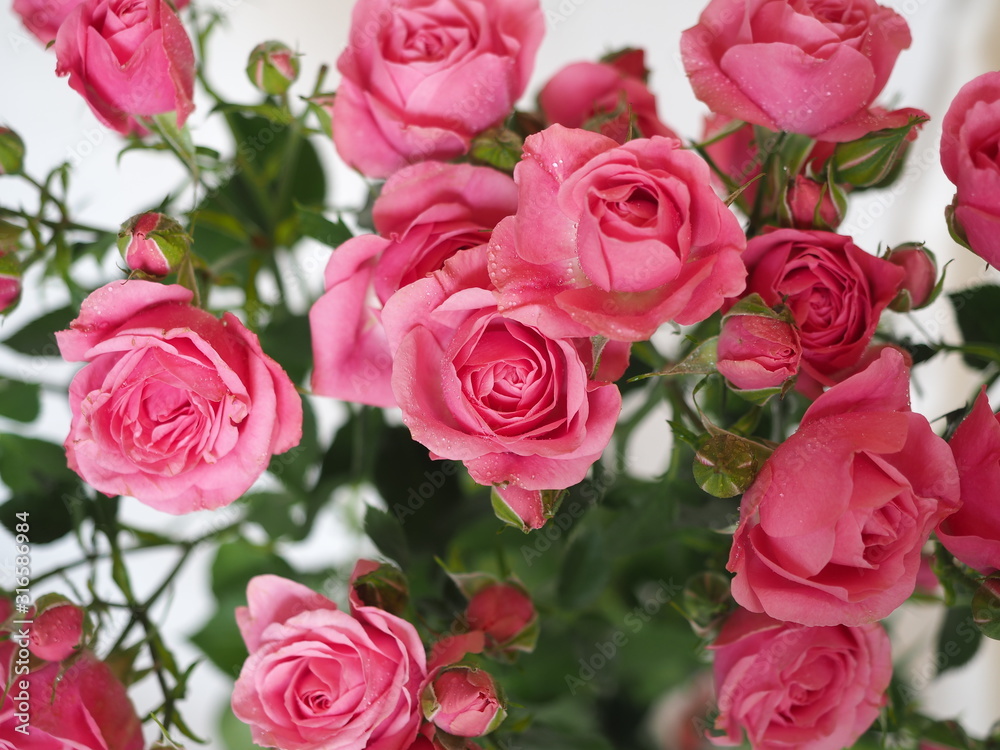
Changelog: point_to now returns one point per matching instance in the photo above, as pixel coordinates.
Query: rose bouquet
(462, 384)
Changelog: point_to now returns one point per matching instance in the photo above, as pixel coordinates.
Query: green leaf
(958, 640)
(585, 570)
(235, 734)
(41, 485)
(286, 339)
(387, 534)
(239, 561)
(37, 338)
(975, 310)
(19, 401)
(313, 223)
(220, 640)
(726, 464)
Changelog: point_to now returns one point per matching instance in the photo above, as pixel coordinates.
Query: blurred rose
(128, 59)
(420, 78)
(788, 686)
(176, 408)
(804, 67)
(504, 612)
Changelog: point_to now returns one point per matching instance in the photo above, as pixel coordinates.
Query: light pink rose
(128, 59)
(788, 686)
(757, 352)
(969, 156)
(804, 66)
(614, 240)
(973, 533)
(832, 528)
(463, 701)
(584, 90)
(78, 704)
(421, 77)
(515, 406)
(425, 214)
(834, 290)
(176, 408)
(318, 678)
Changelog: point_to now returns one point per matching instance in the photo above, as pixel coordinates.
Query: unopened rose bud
(381, 585)
(876, 158)
(813, 205)
(57, 629)
(758, 349)
(10, 281)
(920, 279)
(11, 152)
(152, 243)
(463, 701)
(986, 607)
(525, 509)
(505, 612)
(273, 67)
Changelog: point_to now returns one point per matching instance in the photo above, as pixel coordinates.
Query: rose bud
(876, 158)
(505, 612)
(986, 607)
(57, 629)
(463, 701)
(11, 152)
(758, 349)
(10, 281)
(810, 204)
(919, 286)
(152, 243)
(381, 585)
(273, 67)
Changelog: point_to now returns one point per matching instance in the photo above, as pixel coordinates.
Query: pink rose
(831, 529)
(57, 631)
(463, 701)
(43, 17)
(79, 705)
(920, 276)
(834, 290)
(973, 533)
(504, 612)
(425, 214)
(516, 407)
(810, 205)
(176, 408)
(969, 156)
(585, 90)
(318, 678)
(787, 686)
(736, 155)
(128, 59)
(757, 352)
(804, 66)
(614, 240)
(421, 77)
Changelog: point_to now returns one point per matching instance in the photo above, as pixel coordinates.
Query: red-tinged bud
(813, 205)
(153, 243)
(57, 630)
(10, 281)
(920, 284)
(759, 350)
(463, 701)
(381, 585)
(986, 607)
(273, 67)
(506, 614)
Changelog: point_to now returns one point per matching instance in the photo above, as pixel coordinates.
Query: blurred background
(953, 41)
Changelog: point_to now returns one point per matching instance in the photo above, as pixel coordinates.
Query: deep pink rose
(128, 59)
(421, 77)
(788, 686)
(804, 66)
(614, 240)
(810, 205)
(969, 139)
(56, 631)
(834, 290)
(425, 214)
(176, 408)
(831, 529)
(584, 90)
(463, 701)
(79, 705)
(318, 678)
(757, 352)
(516, 407)
(920, 275)
(973, 533)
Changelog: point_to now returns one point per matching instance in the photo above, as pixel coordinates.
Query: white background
(954, 40)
